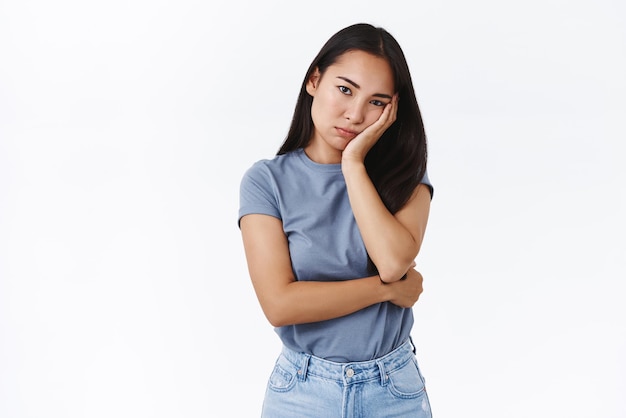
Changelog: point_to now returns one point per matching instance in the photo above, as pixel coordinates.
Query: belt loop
(414, 349)
(303, 369)
(383, 373)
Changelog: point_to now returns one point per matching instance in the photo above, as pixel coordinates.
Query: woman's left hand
(357, 148)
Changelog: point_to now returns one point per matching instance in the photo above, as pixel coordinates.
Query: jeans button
(349, 372)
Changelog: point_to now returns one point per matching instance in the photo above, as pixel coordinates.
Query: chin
(341, 144)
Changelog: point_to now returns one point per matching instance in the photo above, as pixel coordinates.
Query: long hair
(397, 162)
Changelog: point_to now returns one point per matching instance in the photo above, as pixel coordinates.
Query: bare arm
(286, 301)
(392, 240)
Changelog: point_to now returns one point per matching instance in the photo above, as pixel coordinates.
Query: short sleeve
(425, 180)
(256, 193)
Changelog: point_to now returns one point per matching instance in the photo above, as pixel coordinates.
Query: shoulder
(263, 188)
(275, 167)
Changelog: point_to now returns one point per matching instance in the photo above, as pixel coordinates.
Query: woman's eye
(377, 103)
(345, 90)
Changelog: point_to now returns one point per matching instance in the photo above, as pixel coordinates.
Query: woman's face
(347, 98)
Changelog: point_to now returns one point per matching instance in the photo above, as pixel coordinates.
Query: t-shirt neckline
(328, 168)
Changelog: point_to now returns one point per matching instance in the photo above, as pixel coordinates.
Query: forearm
(309, 301)
(389, 244)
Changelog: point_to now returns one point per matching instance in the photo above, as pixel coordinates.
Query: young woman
(331, 227)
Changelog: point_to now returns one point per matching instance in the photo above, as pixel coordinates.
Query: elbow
(276, 316)
(277, 306)
(276, 320)
(389, 275)
(393, 265)
(392, 272)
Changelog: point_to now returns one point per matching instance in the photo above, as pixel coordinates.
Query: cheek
(317, 113)
(334, 103)
(327, 105)
(372, 116)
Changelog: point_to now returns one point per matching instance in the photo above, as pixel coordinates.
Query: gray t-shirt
(325, 245)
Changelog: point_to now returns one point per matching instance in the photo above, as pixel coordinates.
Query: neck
(322, 155)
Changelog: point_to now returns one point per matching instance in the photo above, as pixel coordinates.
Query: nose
(355, 113)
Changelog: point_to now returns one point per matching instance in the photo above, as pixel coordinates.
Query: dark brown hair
(397, 162)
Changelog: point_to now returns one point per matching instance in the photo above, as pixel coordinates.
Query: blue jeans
(303, 386)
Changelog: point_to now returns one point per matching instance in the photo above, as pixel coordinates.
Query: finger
(394, 110)
(390, 112)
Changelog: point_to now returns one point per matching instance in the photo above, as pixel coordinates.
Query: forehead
(367, 70)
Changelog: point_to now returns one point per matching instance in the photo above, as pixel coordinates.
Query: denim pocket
(282, 380)
(406, 382)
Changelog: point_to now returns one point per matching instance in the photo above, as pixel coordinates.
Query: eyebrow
(347, 80)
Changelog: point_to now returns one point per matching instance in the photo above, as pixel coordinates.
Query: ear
(313, 82)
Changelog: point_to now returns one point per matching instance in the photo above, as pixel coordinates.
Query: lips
(346, 133)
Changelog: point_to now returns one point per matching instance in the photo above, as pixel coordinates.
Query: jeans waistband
(352, 372)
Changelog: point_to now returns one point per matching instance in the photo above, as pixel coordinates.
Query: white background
(125, 127)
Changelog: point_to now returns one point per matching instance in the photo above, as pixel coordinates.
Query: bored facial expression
(347, 98)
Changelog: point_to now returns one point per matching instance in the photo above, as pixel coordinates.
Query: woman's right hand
(407, 292)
